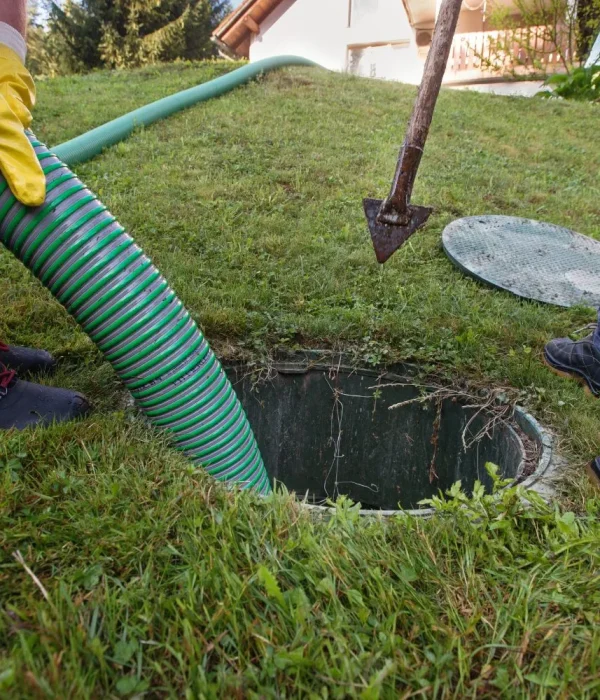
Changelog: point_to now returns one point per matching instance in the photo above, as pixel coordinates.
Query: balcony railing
(495, 53)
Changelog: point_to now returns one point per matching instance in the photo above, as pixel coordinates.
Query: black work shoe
(575, 359)
(594, 471)
(25, 360)
(23, 404)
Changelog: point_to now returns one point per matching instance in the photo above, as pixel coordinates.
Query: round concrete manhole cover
(531, 259)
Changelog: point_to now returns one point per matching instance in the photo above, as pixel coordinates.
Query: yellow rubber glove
(18, 161)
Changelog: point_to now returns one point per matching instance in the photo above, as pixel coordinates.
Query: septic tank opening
(326, 432)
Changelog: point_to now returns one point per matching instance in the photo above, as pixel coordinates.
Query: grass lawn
(160, 583)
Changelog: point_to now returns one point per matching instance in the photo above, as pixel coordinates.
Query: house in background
(386, 39)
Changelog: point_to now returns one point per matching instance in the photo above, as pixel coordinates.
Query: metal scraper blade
(388, 238)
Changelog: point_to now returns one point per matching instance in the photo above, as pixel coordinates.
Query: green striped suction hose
(92, 143)
(78, 250)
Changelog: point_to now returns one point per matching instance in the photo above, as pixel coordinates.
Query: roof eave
(232, 18)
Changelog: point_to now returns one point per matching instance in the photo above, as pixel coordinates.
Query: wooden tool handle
(433, 73)
(395, 209)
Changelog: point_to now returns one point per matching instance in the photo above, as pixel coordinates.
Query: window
(363, 8)
(357, 9)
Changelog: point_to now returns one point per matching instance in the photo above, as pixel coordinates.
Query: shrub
(580, 84)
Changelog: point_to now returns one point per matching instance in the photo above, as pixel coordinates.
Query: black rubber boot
(26, 360)
(23, 404)
(576, 359)
(594, 472)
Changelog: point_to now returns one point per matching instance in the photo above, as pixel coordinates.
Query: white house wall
(377, 42)
(374, 21)
(318, 29)
(315, 29)
(382, 42)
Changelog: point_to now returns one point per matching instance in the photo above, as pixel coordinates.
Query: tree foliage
(588, 25)
(81, 35)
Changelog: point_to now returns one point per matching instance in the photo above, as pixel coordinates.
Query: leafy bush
(581, 84)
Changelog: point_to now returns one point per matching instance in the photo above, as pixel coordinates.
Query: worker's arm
(18, 162)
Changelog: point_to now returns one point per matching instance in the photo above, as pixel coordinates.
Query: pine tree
(36, 49)
(119, 33)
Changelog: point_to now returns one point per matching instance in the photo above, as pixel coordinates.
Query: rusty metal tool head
(393, 220)
(387, 238)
